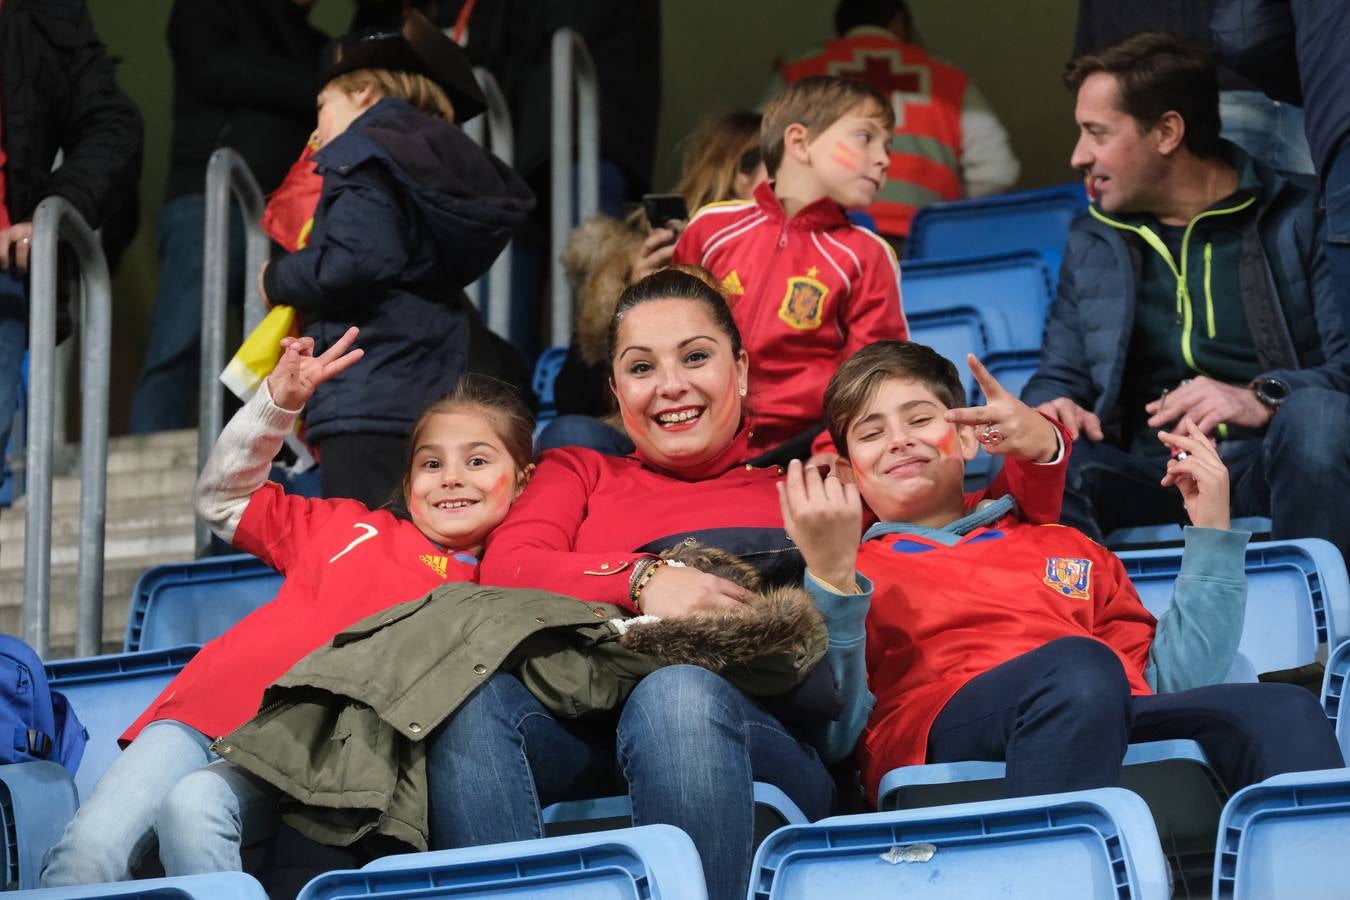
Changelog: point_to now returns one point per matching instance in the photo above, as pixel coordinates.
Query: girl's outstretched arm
(243, 453)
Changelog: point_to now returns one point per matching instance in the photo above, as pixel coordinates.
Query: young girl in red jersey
(470, 458)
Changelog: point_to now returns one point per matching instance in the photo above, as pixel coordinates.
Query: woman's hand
(823, 517)
(299, 371)
(1200, 476)
(674, 591)
(656, 251)
(1005, 425)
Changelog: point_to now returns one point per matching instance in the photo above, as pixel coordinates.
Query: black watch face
(1272, 391)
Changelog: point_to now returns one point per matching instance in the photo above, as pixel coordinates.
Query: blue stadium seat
(953, 333)
(1010, 290)
(1028, 220)
(1012, 368)
(1334, 697)
(1162, 535)
(1081, 845)
(220, 886)
(767, 796)
(1174, 778)
(654, 861)
(37, 799)
(193, 602)
(1298, 597)
(1286, 837)
(108, 693)
(545, 373)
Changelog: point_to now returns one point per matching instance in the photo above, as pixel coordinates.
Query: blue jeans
(13, 343)
(688, 745)
(1267, 129)
(1336, 196)
(583, 431)
(1295, 474)
(166, 393)
(165, 785)
(1061, 716)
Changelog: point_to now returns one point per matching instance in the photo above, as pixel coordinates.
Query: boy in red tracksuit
(992, 638)
(807, 287)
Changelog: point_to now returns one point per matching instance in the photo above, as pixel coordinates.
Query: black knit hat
(418, 47)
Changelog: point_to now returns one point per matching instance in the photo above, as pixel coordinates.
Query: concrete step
(149, 520)
(171, 514)
(133, 453)
(119, 543)
(118, 581)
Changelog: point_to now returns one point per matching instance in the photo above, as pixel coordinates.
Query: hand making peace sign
(1005, 425)
(299, 371)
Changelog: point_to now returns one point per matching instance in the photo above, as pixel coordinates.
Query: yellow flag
(258, 355)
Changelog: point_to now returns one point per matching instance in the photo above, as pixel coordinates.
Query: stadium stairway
(149, 521)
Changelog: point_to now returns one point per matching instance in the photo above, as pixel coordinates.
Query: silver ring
(1182, 455)
(23, 240)
(990, 436)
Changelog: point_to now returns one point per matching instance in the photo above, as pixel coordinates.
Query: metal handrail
(227, 176)
(493, 131)
(572, 67)
(55, 220)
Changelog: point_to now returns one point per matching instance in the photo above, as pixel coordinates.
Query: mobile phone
(664, 208)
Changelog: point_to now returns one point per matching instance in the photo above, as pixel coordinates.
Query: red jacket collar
(823, 213)
(737, 452)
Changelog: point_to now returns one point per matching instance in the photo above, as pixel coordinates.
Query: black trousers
(365, 467)
(1062, 714)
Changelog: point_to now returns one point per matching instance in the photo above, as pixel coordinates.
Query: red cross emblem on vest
(887, 72)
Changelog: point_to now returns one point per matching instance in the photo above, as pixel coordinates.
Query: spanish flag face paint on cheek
(950, 445)
(845, 156)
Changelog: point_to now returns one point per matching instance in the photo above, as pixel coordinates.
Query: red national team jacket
(806, 293)
(342, 562)
(941, 615)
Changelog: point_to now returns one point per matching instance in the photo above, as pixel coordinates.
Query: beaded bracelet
(642, 573)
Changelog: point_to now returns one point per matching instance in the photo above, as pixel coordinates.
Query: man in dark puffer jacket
(1195, 287)
(58, 93)
(1296, 50)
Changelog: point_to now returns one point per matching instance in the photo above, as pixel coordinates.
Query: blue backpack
(35, 721)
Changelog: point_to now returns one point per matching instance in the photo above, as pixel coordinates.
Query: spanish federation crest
(1069, 577)
(803, 305)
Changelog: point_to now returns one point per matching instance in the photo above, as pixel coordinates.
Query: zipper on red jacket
(759, 291)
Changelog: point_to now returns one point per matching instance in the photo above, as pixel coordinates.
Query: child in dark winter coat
(411, 211)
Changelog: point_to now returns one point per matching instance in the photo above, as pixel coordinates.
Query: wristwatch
(1271, 392)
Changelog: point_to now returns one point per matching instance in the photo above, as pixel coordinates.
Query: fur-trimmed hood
(598, 261)
(778, 629)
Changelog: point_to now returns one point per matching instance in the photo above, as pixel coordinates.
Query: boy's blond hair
(417, 89)
(817, 103)
(856, 382)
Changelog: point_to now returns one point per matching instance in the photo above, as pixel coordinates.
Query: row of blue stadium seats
(1278, 838)
(1299, 600)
